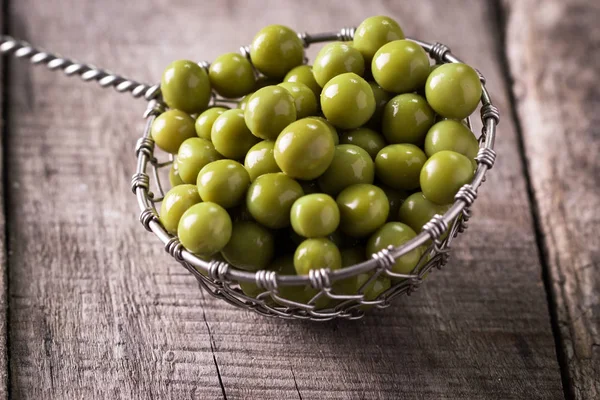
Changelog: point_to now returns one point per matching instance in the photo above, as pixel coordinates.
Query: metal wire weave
(221, 279)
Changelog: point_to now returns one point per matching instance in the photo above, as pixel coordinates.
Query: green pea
(417, 210)
(335, 59)
(205, 228)
(406, 119)
(400, 66)
(251, 246)
(443, 175)
(174, 178)
(231, 136)
(304, 149)
(260, 160)
(177, 201)
(347, 101)
(269, 110)
(243, 103)
(304, 74)
(352, 256)
(315, 215)
(304, 98)
(185, 86)
(381, 99)
(270, 199)
(332, 130)
(193, 155)
(275, 50)
(453, 90)
(316, 254)
(223, 182)
(231, 75)
(396, 199)
(205, 121)
(363, 209)
(399, 166)
(373, 33)
(172, 128)
(395, 234)
(451, 135)
(350, 165)
(365, 138)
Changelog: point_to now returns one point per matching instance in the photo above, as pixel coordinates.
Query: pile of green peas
(318, 166)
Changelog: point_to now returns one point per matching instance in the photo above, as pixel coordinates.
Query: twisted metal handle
(87, 72)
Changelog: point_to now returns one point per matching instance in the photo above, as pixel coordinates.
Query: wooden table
(92, 306)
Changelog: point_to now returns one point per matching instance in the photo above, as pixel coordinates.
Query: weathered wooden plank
(3, 258)
(98, 309)
(553, 48)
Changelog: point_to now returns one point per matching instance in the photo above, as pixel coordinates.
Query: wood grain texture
(97, 308)
(554, 53)
(3, 259)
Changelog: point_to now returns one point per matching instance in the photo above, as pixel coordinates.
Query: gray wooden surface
(554, 56)
(96, 308)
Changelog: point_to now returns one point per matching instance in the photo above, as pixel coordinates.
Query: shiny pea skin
(270, 199)
(204, 229)
(443, 175)
(304, 74)
(315, 215)
(304, 149)
(351, 165)
(230, 135)
(363, 209)
(395, 234)
(172, 128)
(381, 99)
(335, 59)
(399, 166)
(417, 210)
(174, 178)
(269, 110)
(260, 160)
(231, 75)
(316, 254)
(205, 121)
(400, 66)
(193, 155)
(275, 50)
(373, 33)
(251, 246)
(347, 101)
(396, 199)
(332, 130)
(304, 98)
(365, 138)
(243, 103)
(223, 182)
(406, 119)
(185, 86)
(451, 135)
(453, 90)
(176, 202)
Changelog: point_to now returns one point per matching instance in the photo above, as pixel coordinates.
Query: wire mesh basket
(222, 280)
